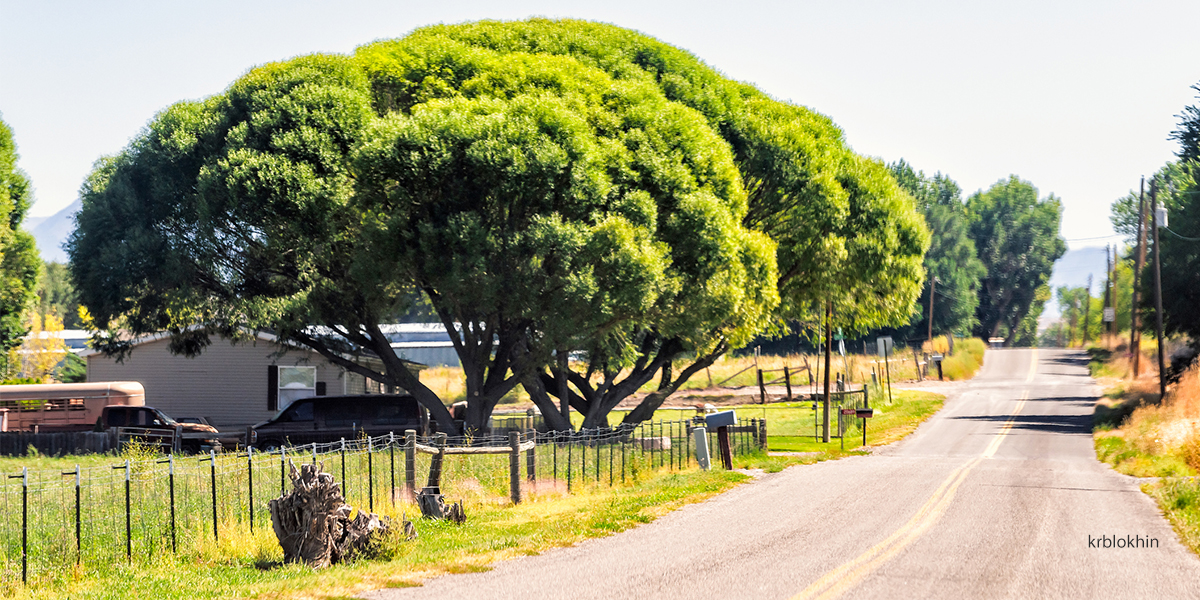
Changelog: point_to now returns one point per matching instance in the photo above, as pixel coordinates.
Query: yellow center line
(839, 580)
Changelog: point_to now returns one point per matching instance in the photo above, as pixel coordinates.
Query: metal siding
(227, 383)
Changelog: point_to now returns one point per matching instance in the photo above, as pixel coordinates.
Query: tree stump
(316, 526)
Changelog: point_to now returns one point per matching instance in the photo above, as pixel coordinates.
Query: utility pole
(1087, 311)
(1162, 368)
(1135, 329)
(1107, 296)
(828, 366)
(932, 283)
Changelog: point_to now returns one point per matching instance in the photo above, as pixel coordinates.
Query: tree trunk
(314, 524)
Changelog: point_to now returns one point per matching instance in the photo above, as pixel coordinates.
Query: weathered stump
(316, 526)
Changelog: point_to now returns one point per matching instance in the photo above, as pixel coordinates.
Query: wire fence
(136, 509)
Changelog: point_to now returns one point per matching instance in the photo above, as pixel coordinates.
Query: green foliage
(21, 381)
(19, 263)
(1180, 253)
(951, 257)
(1188, 131)
(545, 186)
(72, 370)
(1017, 237)
(56, 295)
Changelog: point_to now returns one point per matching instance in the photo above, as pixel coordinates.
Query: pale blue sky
(1077, 97)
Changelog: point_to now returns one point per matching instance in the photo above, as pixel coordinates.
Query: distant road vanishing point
(999, 495)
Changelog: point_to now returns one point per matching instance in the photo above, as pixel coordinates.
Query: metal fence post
(514, 466)
(370, 477)
(282, 471)
(392, 460)
(410, 463)
(78, 526)
(568, 465)
(531, 458)
(171, 486)
(128, 518)
(24, 476)
(250, 482)
(212, 457)
(345, 491)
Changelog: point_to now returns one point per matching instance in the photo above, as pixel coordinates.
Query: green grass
(1126, 458)
(1179, 500)
(790, 426)
(248, 566)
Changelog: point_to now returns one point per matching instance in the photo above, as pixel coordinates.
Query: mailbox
(725, 418)
(848, 411)
(865, 413)
(936, 358)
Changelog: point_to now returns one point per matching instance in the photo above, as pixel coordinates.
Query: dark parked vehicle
(331, 418)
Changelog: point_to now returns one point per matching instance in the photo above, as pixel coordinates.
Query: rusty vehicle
(67, 407)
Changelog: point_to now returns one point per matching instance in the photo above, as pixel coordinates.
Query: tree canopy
(951, 257)
(19, 262)
(548, 187)
(1017, 237)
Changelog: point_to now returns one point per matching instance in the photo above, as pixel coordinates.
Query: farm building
(231, 384)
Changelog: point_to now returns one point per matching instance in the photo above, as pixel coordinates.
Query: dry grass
(1143, 435)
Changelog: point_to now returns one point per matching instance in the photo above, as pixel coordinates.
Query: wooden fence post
(762, 389)
(514, 466)
(787, 378)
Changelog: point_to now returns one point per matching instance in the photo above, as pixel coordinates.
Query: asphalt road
(997, 496)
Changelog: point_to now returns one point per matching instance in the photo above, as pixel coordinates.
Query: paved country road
(997, 496)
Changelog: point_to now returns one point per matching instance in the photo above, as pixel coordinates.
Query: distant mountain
(1072, 270)
(52, 232)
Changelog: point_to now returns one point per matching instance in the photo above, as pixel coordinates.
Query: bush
(966, 360)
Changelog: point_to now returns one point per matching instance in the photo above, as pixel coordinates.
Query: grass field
(733, 372)
(248, 566)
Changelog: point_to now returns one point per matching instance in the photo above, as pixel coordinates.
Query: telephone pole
(1135, 329)
(1087, 311)
(932, 283)
(1162, 368)
(1108, 297)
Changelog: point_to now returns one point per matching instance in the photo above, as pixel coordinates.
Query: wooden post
(762, 389)
(410, 463)
(435, 465)
(1135, 334)
(787, 378)
(762, 434)
(1158, 306)
(828, 359)
(723, 444)
(514, 466)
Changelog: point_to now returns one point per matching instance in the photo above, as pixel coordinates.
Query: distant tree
(951, 257)
(19, 262)
(1017, 237)
(56, 295)
(1188, 131)
(43, 348)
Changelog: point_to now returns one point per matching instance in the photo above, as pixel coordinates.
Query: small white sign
(1110, 315)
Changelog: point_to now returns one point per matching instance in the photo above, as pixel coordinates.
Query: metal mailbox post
(722, 421)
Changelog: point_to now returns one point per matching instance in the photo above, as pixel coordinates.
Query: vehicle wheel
(269, 445)
(190, 447)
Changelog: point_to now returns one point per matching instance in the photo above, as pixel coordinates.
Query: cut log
(314, 524)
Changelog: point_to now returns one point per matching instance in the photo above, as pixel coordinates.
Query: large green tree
(19, 262)
(951, 257)
(549, 187)
(845, 232)
(1017, 237)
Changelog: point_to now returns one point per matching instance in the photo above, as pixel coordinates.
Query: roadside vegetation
(1143, 435)
(245, 565)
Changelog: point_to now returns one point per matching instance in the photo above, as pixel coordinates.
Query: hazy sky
(1077, 97)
